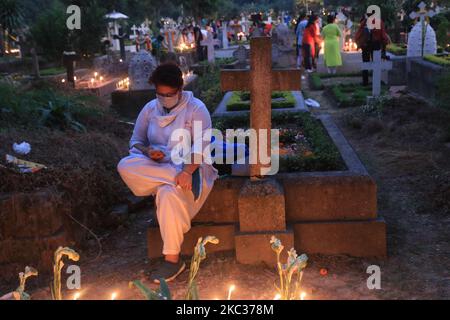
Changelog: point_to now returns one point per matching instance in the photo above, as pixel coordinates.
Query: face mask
(168, 102)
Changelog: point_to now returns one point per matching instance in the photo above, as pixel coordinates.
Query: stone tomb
(129, 102)
(330, 212)
(316, 212)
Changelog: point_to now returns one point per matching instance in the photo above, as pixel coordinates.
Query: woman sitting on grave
(181, 189)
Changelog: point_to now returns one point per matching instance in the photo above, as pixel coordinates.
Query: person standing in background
(310, 38)
(331, 35)
(299, 29)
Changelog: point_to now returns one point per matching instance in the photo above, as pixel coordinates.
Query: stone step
(354, 238)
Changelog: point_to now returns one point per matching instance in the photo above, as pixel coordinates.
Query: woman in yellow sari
(331, 35)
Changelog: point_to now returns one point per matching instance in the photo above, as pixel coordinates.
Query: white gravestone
(377, 66)
(422, 38)
(224, 35)
(141, 67)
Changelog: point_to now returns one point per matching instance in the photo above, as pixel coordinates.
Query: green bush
(316, 82)
(240, 101)
(351, 95)
(325, 155)
(443, 91)
(44, 106)
(339, 75)
(443, 60)
(52, 71)
(209, 87)
(219, 61)
(397, 49)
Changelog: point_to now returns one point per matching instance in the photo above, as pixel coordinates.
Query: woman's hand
(184, 180)
(155, 155)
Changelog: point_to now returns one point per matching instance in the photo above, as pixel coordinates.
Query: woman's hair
(167, 74)
(312, 19)
(331, 18)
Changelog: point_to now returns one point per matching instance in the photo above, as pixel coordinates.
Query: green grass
(43, 105)
(315, 79)
(325, 155)
(339, 75)
(443, 60)
(351, 95)
(397, 49)
(52, 71)
(240, 101)
(219, 61)
(316, 82)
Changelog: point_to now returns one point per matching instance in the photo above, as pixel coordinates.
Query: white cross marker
(210, 42)
(224, 35)
(377, 66)
(134, 29)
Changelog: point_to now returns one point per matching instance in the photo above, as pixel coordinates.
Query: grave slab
(354, 238)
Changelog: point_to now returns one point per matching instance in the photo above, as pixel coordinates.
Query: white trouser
(175, 207)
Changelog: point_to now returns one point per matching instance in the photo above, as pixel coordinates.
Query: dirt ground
(412, 174)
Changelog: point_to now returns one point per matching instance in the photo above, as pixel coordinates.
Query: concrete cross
(377, 66)
(224, 35)
(210, 42)
(261, 80)
(422, 13)
(134, 29)
(168, 36)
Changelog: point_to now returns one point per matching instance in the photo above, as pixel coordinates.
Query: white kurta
(175, 207)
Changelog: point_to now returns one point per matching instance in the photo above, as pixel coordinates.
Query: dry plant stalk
(57, 267)
(197, 258)
(295, 265)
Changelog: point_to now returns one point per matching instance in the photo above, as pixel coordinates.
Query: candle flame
(277, 297)
(230, 291)
(113, 296)
(76, 296)
(302, 295)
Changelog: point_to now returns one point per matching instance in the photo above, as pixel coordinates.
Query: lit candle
(232, 287)
(101, 78)
(277, 297)
(76, 296)
(63, 80)
(92, 82)
(95, 75)
(302, 295)
(113, 296)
